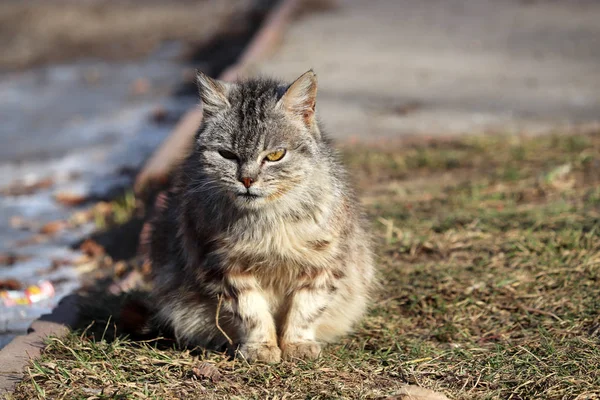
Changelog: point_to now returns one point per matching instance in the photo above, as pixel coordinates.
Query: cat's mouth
(248, 195)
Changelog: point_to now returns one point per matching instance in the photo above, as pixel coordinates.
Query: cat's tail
(135, 320)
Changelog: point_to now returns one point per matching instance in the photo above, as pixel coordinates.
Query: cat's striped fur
(285, 262)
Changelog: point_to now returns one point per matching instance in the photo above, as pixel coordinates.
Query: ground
(489, 260)
(38, 32)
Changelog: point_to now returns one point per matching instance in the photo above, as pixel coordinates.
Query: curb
(15, 356)
(172, 151)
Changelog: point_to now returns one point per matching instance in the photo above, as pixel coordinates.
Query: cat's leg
(305, 306)
(251, 309)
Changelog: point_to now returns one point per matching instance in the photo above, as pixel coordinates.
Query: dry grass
(489, 254)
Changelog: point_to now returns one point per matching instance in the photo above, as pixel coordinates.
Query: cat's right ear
(213, 94)
(300, 98)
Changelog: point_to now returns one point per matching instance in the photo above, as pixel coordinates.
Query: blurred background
(413, 67)
(89, 89)
(471, 129)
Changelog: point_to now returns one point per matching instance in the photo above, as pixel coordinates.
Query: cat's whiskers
(203, 186)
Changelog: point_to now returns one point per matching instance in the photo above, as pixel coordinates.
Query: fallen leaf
(412, 392)
(52, 227)
(120, 268)
(130, 281)
(33, 239)
(81, 217)
(70, 199)
(10, 284)
(140, 86)
(146, 267)
(91, 248)
(207, 371)
(23, 189)
(8, 259)
(103, 208)
(19, 223)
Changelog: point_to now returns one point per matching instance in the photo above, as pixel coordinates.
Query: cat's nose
(247, 181)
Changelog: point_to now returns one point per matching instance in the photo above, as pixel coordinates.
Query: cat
(261, 243)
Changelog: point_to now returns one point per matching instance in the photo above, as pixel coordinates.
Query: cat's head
(259, 141)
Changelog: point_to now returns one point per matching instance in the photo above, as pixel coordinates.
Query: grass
(489, 256)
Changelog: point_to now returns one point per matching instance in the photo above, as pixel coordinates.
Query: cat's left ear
(300, 98)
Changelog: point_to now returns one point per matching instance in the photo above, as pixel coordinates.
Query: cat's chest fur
(275, 244)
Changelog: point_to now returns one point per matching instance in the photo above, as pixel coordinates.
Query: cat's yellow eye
(276, 155)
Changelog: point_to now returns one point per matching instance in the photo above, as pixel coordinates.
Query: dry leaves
(8, 259)
(412, 392)
(25, 189)
(53, 227)
(10, 284)
(91, 248)
(207, 371)
(69, 199)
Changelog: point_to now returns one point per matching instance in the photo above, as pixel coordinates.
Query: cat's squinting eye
(227, 154)
(276, 155)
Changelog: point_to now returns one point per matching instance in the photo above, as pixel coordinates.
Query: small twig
(418, 360)
(541, 312)
(85, 330)
(532, 355)
(476, 383)
(106, 328)
(465, 385)
(217, 320)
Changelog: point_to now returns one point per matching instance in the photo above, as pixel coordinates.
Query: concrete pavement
(389, 68)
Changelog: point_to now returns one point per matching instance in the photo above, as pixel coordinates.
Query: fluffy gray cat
(261, 243)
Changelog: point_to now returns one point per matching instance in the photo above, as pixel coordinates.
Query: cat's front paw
(261, 352)
(301, 350)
